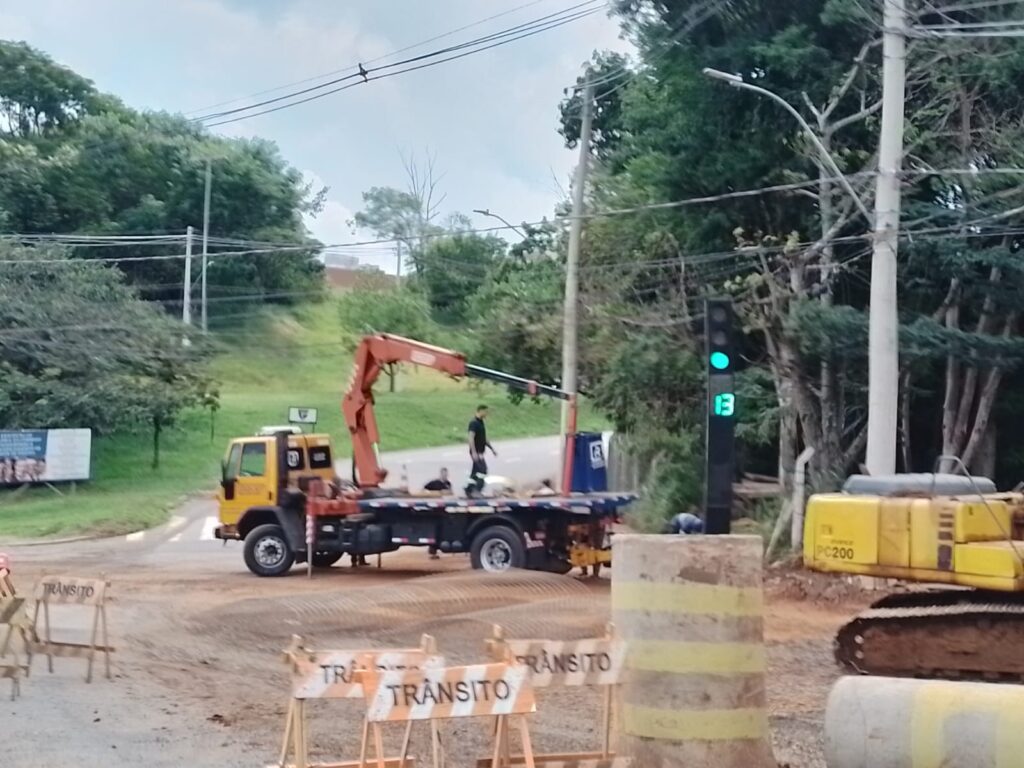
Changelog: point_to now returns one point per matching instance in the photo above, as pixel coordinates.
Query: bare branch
(862, 114)
(851, 75)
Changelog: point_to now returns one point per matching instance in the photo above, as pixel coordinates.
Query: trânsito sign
(302, 415)
(44, 455)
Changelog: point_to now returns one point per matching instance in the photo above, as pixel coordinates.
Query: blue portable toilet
(589, 469)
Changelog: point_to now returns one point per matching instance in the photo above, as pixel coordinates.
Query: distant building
(340, 261)
(347, 278)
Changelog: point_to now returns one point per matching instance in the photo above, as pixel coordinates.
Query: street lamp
(487, 212)
(738, 82)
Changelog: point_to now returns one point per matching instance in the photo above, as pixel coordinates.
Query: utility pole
(883, 325)
(398, 263)
(570, 328)
(186, 298)
(206, 237)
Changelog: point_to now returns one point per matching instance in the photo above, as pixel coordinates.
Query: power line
(495, 40)
(354, 64)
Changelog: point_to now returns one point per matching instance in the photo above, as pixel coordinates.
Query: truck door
(250, 478)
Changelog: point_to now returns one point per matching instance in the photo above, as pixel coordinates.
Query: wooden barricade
(596, 662)
(335, 675)
(502, 691)
(13, 619)
(63, 590)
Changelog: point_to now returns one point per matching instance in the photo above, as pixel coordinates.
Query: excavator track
(956, 634)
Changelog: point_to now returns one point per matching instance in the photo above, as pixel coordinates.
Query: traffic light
(721, 415)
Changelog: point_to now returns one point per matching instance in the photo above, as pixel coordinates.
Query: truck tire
(267, 552)
(497, 549)
(326, 559)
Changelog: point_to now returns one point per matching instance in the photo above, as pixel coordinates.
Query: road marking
(208, 527)
(176, 522)
(514, 460)
(176, 537)
(137, 536)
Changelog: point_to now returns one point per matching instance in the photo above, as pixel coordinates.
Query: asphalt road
(187, 538)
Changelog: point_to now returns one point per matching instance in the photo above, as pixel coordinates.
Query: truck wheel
(267, 552)
(326, 559)
(497, 549)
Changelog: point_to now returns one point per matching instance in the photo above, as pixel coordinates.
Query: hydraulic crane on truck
(280, 496)
(375, 353)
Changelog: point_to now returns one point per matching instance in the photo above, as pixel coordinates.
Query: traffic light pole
(720, 435)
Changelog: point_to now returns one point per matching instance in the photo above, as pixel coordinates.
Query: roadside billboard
(44, 455)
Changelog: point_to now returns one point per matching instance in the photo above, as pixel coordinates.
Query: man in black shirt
(441, 483)
(477, 444)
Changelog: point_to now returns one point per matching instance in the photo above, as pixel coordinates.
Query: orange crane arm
(374, 354)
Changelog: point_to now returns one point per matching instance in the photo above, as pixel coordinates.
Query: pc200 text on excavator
(279, 490)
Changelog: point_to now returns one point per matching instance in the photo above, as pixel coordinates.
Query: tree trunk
(984, 464)
(157, 426)
(788, 435)
(905, 422)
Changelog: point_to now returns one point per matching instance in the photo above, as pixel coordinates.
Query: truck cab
(258, 471)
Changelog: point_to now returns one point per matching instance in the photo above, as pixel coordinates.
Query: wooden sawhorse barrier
(13, 616)
(594, 662)
(63, 590)
(336, 675)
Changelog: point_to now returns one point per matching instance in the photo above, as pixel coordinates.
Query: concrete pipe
(691, 610)
(883, 722)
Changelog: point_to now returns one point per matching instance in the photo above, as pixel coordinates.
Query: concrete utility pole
(206, 237)
(883, 327)
(572, 287)
(186, 298)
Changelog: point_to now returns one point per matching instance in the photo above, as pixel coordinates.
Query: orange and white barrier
(570, 663)
(592, 662)
(481, 690)
(63, 590)
(337, 675)
(332, 674)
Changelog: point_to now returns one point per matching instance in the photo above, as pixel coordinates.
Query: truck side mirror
(227, 483)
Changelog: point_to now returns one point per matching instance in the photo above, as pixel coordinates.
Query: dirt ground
(199, 680)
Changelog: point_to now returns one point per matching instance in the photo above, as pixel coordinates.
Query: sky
(489, 119)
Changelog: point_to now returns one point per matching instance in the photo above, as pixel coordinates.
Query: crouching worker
(684, 523)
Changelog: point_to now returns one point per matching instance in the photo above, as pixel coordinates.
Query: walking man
(478, 443)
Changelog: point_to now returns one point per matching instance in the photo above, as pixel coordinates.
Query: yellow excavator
(955, 545)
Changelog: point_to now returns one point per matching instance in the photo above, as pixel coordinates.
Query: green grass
(286, 359)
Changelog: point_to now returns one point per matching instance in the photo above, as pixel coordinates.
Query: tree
(369, 310)
(38, 97)
(453, 268)
(73, 160)
(79, 349)
(406, 216)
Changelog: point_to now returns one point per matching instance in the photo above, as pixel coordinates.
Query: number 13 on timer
(725, 404)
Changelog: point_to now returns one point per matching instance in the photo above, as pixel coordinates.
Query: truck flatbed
(581, 504)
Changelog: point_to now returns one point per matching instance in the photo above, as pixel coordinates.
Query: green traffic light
(719, 361)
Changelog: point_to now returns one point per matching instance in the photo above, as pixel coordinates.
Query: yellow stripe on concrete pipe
(936, 705)
(696, 658)
(689, 598)
(694, 725)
